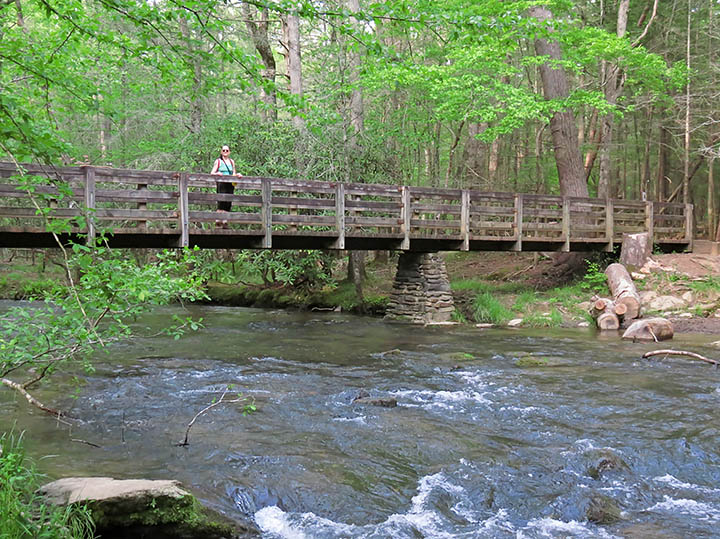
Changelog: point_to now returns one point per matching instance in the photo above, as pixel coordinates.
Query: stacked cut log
(607, 313)
(623, 289)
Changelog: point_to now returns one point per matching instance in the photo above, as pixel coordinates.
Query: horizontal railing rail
(183, 205)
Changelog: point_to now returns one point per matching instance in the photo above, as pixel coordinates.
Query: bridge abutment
(421, 290)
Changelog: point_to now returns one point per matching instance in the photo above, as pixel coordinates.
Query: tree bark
(635, 250)
(568, 158)
(623, 289)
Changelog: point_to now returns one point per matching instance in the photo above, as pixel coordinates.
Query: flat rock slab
(84, 489)
(160, 509)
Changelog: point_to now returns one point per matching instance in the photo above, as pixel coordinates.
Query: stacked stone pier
(421, 290)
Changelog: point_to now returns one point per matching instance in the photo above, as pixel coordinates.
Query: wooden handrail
(182, 204)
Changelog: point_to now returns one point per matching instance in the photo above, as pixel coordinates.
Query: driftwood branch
(666, 353)
(32, 400)
(209, 407)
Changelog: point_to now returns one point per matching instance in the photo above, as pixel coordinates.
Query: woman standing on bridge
(225, 166)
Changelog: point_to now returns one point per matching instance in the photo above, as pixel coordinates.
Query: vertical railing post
(142, 223)
(405, 217)
(518, 222)
(566, 223)
(90, 203)
(465, 219)
(183, 210)
(689, 226)
(650, 222)
(609, 224)
(340, 215)
(266, 194)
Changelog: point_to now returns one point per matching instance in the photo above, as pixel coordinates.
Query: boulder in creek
(384, 402)
(649, 330)
(144, 508)
(603, 510)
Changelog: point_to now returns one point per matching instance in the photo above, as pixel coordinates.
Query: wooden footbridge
(150, 209)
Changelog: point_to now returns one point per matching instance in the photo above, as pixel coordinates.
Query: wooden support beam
(689, 226)
(266, 212)
(518, 222)
(142, 205)
(90, 203)
(405, 217)
(183, 211)
(609, 224)
(465, 219)
(566, 224)
(340, 215)
(650, 222)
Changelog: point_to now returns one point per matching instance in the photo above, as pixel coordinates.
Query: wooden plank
(650, 221)
(566, 224)
(689, 224)
(183, 211)
(449, 209)
(609, 224)
(320, 220)
(465, 220)
(266, 214)
(431, 223)
(405, 216)
(90, 203)
(108, 214)
(303, 203)
(340, 216)
(351, 220)
(230, 217)
(492, 210)
(518, 222)
(137, 197)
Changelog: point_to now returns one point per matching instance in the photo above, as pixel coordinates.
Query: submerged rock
(144, 508)
(364, 398)
(603, 510)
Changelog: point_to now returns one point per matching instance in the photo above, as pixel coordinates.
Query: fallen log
(666, 353)
(607, 314)
(623, 289)
(650, 329)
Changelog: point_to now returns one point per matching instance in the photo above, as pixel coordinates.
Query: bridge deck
(170, 209)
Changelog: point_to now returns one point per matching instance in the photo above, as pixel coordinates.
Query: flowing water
(479, 447)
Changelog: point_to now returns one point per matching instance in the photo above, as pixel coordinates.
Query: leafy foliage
(302, 268)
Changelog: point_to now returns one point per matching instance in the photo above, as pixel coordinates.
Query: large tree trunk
(562, 125)
(473, 156)
(259, 33)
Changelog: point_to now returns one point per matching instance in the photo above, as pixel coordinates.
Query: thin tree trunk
(686, 174)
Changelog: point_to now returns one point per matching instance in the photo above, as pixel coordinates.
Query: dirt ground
(543, 272)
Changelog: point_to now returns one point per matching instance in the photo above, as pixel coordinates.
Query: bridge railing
(185, 205)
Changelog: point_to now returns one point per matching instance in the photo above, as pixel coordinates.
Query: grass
(488, 309)
(22, 511)
(540, 320)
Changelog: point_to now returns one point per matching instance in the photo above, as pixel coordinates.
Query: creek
(480, 447)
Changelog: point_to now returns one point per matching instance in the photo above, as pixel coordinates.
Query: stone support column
(421, 291)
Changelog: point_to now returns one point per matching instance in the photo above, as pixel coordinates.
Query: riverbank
(526, 289)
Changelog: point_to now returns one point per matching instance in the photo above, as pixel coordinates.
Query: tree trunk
(635, 251)
(686, 174)
(473, 156)
(568, 159)
(613, 88)
(651, 330)
(623, 289)
(259, 34)
(607, 314)
(291, 32)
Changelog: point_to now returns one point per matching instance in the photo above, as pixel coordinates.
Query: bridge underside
(31, 238)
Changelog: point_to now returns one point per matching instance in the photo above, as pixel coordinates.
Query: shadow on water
(476, 447)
